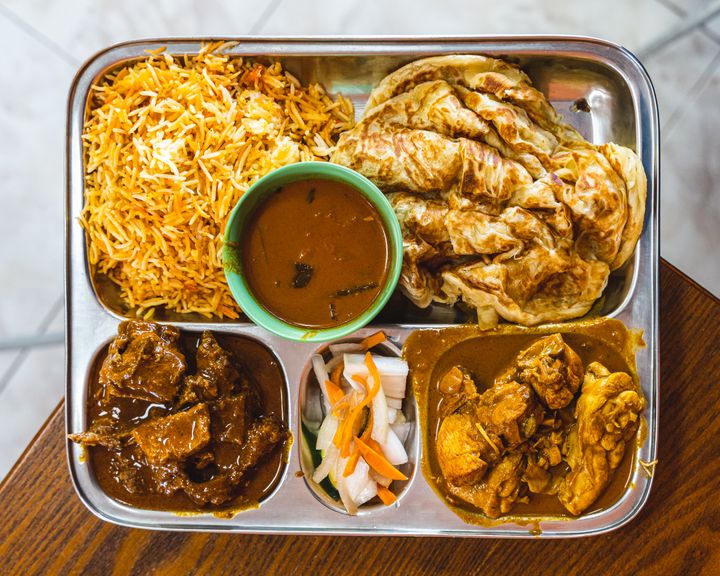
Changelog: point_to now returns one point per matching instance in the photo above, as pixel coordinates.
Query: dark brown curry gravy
(264, 371)
(315, 253)
(430, 354)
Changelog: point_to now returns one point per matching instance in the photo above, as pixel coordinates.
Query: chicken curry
(528, 423)
(186, 422)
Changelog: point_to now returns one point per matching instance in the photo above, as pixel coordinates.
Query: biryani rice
(171, 144)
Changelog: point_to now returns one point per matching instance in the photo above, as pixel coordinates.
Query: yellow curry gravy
(431, 353)
(315, 253)
(266, 376)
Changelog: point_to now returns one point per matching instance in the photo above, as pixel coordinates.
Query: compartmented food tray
(621, 107)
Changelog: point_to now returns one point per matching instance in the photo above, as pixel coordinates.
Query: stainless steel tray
(623, 109)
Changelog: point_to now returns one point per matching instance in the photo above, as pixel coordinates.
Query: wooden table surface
(44, 528)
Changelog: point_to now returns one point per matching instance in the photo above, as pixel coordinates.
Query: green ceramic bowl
(232, 258)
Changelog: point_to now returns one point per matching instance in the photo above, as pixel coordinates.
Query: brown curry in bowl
(315, 253)
(527, 423)
(186, 422)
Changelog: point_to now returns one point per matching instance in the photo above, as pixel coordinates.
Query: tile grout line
(708, 33)
(702, 28)
(672, 7)
(50, 44)
(39, 36)
(695, 90)
(265, 16)
(668, 124)
(17, 362)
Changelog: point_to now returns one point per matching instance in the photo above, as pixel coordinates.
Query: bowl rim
(255, 194)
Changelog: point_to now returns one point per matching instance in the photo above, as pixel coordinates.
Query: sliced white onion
(357, 481)
(346, 385)
(393, 449)
(394, 403)
(354, 365)
(368, 492)
(328, 462)
(357, 386)
(402, 430)
(322, 376)
(327, 432)
(334, 361)
(392, 412)
(393, 372)
(340, 349)
(342, 489)
(380, 416)
(394, 384)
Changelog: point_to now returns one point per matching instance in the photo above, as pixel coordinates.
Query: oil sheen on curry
(186, 422)
(315, 253)
(527, 423)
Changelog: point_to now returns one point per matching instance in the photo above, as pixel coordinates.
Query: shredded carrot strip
(371, 392)
(378, 462)
(337, 372)
(334, 391)
(386, 495)
(373, 340)
(344, 434)
(348, 431)
(337, 439)
(372, 368)
(365, 436)
(361, 380)
(342, 404)
(368, 428)
(374, 445)
(352, 462)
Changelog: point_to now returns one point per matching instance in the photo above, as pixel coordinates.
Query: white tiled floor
(42, 43)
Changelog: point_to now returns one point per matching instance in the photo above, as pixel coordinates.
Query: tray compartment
(254, 358)
(309, 406)
(564, 78)
(486, 354)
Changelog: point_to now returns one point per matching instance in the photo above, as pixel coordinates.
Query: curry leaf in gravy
(303, 275)
(355, 289)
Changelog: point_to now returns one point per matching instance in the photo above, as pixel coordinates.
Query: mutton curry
(186, 422)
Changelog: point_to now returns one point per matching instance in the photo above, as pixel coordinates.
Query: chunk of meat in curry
(498, 491)
(499, 446)
(608, 416)
(204, 440)
(174, 437)
(552, 368)
(144, 362)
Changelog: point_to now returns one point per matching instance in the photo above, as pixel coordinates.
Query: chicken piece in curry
(607, 415)
(181, 424)
(547, 425)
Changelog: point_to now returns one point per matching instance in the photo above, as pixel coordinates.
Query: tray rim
(375, 45)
